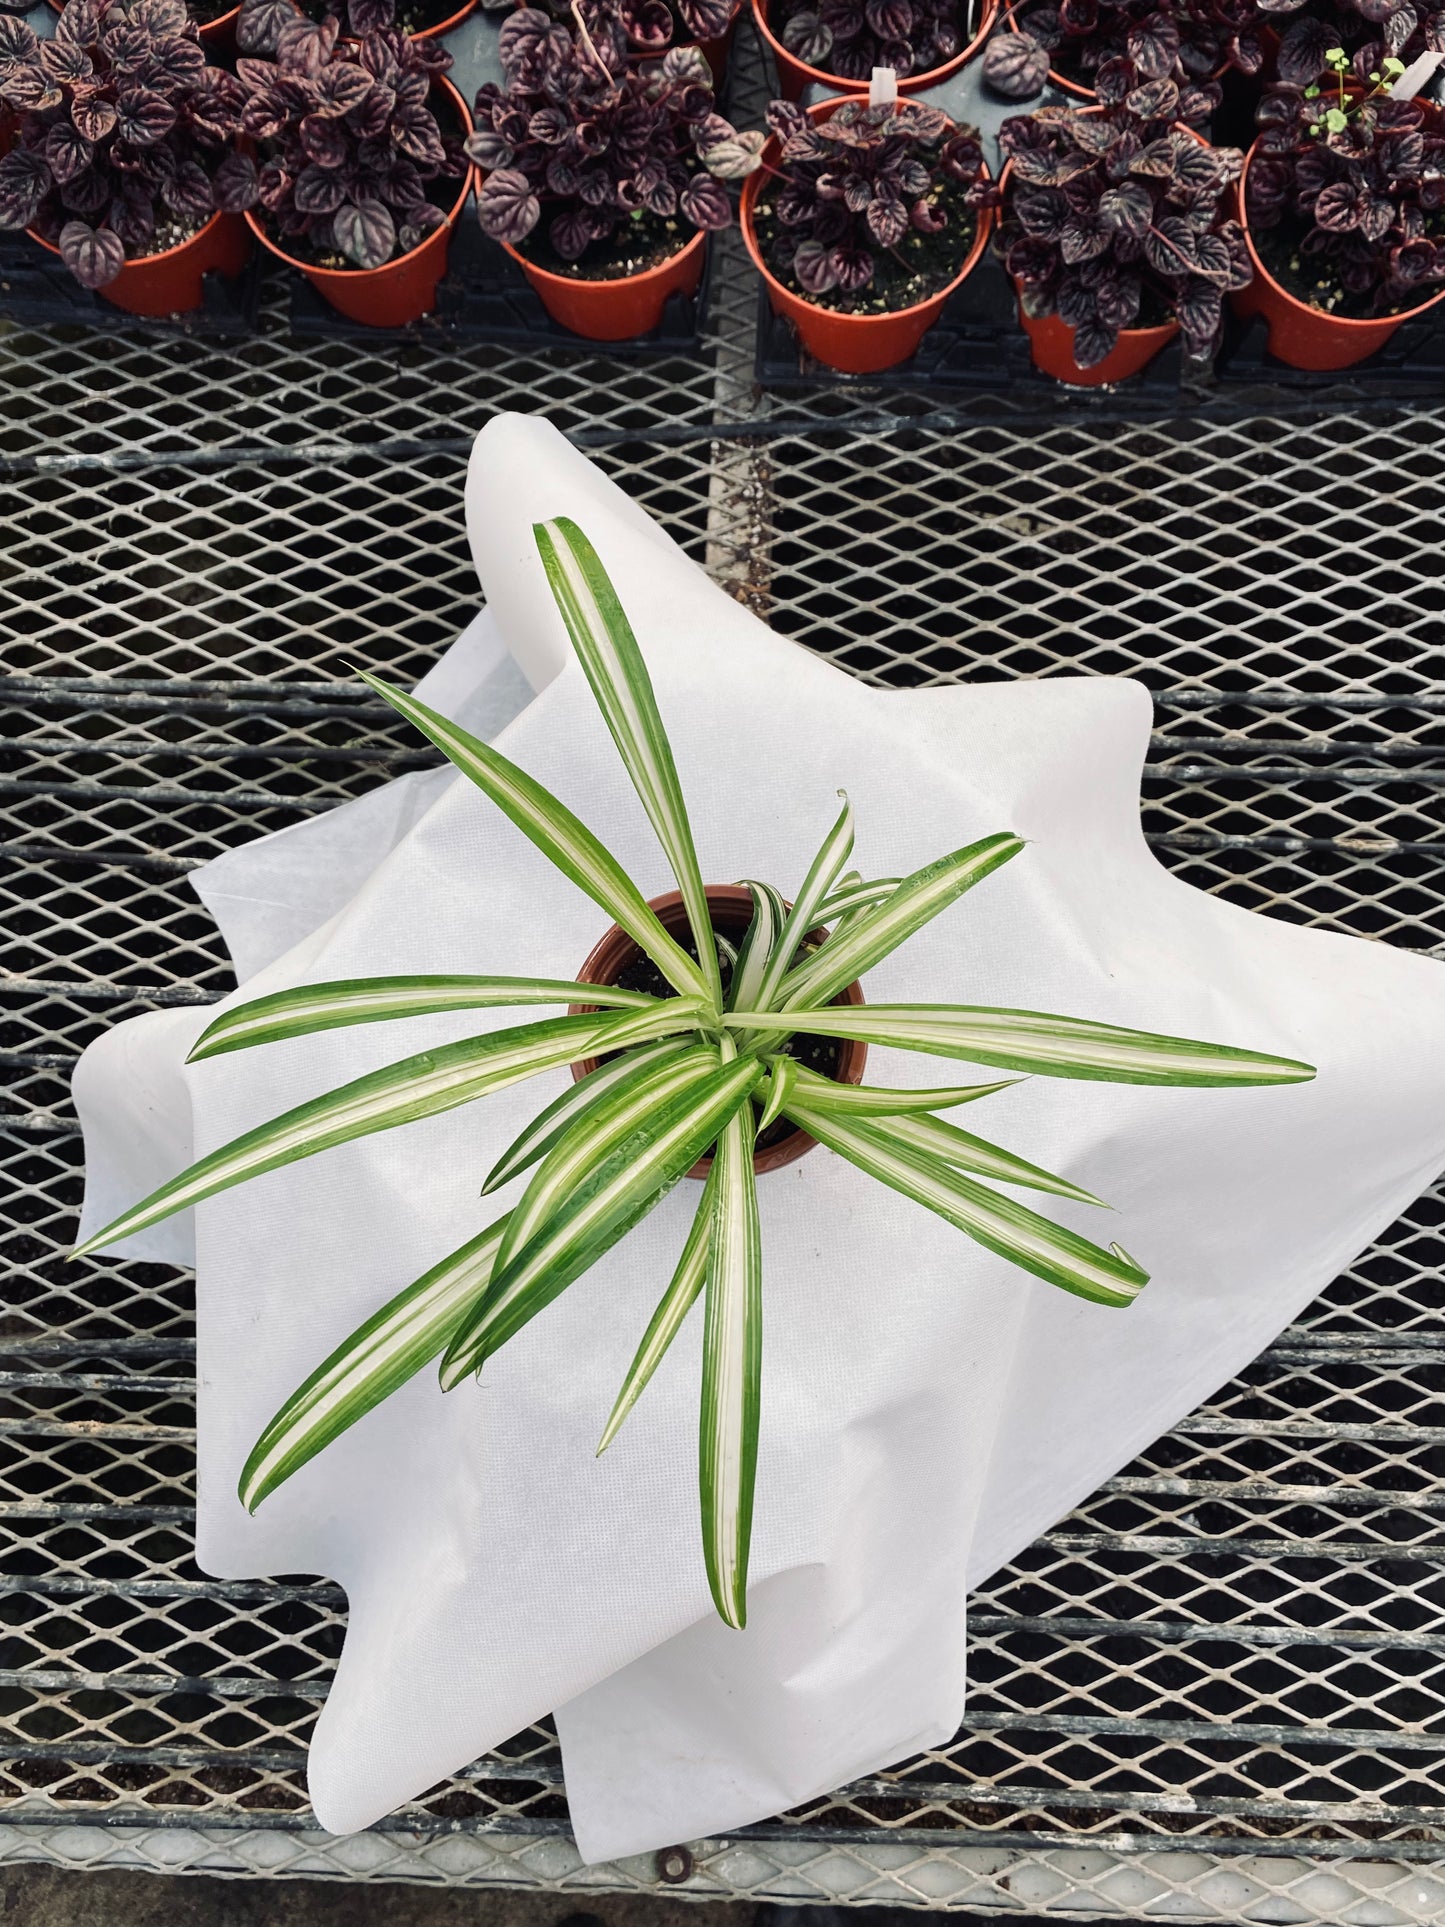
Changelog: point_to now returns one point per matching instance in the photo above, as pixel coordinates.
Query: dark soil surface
(645, 241)
(1311, 279)
(203, 12)
(918, 267)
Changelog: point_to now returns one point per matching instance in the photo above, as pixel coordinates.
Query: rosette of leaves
(852, 187)
(850, 38)
(123, 134)
(704, 1067)
(1114, 218)
(1374, 29)
(595, 145)
(349, 141)
(646, 26)
(259, 24)
(1128, 41)
(1358, 182)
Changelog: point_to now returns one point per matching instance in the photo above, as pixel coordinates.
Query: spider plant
(704, 1068)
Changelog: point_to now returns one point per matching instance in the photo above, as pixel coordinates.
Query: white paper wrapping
(927, 1409)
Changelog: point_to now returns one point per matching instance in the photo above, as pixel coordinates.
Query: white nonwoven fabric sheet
(927, 1409)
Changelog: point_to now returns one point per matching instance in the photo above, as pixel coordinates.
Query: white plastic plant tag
(883, 88)
(1415, 76)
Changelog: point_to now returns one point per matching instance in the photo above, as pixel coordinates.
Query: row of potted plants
(145, 166)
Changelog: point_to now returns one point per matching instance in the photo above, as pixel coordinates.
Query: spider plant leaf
(371, 1000)
(557, 833)
(875, 1100)
(545, 1129)
(1032, 1040)
(607, 649)
(731, 1374)
(667, 1320)
(959, 1148)
(770, 913)
(615, 1196)
(856, 895)
(420, 1086)
(664, 1016)
(783, 1076)
(609, 1121)
(823, 873)
(380, 1355)
(1050, 1251)
(879, 931)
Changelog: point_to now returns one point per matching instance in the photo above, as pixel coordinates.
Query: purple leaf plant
(260, 23)
(850, 38)
(646, 26)
(349, 141)
(122, 134)
(1115, 218)
(1358, 181)
(593, 146)
(851, 188)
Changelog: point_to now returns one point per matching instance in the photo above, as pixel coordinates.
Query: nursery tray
(1216, 1691)
(37, 290)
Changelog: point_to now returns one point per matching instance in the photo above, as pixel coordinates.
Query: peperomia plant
(1352, 183)
(646, 26)
(859, 195)
(123, 134)
(612, 154)
(350, 141)
(1375, 29)
(1114, 218)
(682, 1075)
(1113, 46)
(852, 37)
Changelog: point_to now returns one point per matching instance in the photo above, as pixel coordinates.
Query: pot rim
(644, 53)
(912, 84)
(145, 260)
(751, 188)
(638, 280)
(1082, 88)
(351, 274)
(1344, 321)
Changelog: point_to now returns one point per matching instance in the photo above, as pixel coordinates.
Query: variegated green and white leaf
(770, 913)
(676, 1302)
(875, 1100)
(959, 1148)
(617, 1195)
(371, 1000)
(1032, 1040)
(391, 1347)
(1034, 1243)
(420, 1086)
(823, 873)
(557, 833)
(876, 933)
(851, 897)
(607, 649)
(663, 1017)
(731, 1374)
(782, 1076)
(612, 1118)
(545, 1129)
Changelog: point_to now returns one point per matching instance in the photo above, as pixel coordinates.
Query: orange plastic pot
(794, 75)
(616, 310)
(854, 344)
(170, 283)
(1051, 343)
(1306, 337)
(399, 291)
(731, 907)
(445, 26)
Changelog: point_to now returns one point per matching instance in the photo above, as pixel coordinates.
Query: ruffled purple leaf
(364, 232)
(704, 202)
(1015, 65)
(94, 256)
(507, 207)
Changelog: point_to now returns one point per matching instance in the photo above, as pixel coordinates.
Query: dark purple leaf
(63, 60)
(1094, 341)
(259, 24)
(707, 19)
(704, 202)
(1339, 207)
(370, 16)
(1155, 100)
(174, 66)
(364, 232)
(571, 233)
(1128, 208)
(235, 184)
(808, 40)
(188, 191)
(648, 24)
(67, 152)
(132, 217)
(1153, 45)
(1198, 307)
(814, 268)
(304, 46)
(24, 183)
(143, 118)
(80, 23)
(1302, 50)
(86, 192)
(506, 206)
(93, 255)
(1015, 65)
(415, 133)
(318, 190)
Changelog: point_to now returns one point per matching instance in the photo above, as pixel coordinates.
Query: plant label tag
(1410, 82)
(883, 87)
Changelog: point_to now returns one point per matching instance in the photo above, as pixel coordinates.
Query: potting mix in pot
(123, 134)
(872, 209)
(594, 168)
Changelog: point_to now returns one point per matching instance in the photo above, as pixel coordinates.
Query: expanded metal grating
(1217, 1690)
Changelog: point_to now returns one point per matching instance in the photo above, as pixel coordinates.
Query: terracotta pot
(400, 291)
(1305, 337)
(855, 344)
(795, 75)
(218, 36)
(170, 283)
(732, 908)
(616, 310)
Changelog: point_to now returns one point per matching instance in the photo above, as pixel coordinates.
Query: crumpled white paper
(927, 1409)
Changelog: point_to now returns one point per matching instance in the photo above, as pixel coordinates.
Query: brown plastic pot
(855, 344)
(795, 76)
(170, 282)
(1306, 337)
(399, 291)
(731, 907)
(621, 309)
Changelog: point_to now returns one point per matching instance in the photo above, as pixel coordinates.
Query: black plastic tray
(36, 290)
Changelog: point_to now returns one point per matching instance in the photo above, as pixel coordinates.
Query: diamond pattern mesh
(1233, 1645)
